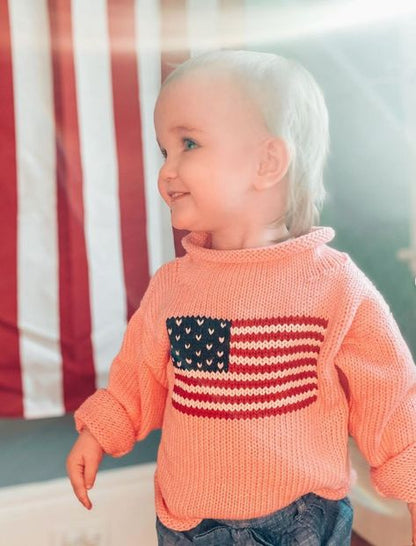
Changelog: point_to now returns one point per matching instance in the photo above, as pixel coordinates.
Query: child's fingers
(90, 472)
(80, 490)
(82, 465)
(76, 476)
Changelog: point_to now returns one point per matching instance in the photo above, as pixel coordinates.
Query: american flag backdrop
(244, 368)
(82, 226)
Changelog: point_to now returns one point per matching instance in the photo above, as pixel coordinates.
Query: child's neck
(240, 240)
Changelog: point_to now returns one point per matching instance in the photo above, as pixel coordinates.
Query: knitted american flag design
(244, 368)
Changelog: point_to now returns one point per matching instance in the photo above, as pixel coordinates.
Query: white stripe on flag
(283, 327)
(159, 229)
(203, 21)
(263, 361)
(273, 343)
(267, 376)
(38, 303)
(100, 181)
(215, 391)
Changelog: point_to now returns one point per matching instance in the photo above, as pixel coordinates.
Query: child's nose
(169, 169)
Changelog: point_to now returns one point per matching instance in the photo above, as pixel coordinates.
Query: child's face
(210, 133)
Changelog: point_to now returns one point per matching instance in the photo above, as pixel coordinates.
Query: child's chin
(180, 223)
(183, 226)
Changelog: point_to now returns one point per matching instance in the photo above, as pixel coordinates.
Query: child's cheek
(191, 166)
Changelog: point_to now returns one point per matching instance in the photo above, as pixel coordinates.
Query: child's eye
(189, 144)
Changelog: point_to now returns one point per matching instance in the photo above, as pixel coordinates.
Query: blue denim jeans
(310, 520)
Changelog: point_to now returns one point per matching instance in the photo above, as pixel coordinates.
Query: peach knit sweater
(257, 364)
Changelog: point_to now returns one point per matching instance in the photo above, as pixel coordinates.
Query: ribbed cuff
(108, 422)
(396, 478)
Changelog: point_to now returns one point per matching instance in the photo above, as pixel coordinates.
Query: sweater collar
(197, 246)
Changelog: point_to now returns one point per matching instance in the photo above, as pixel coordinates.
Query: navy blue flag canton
(199, 343)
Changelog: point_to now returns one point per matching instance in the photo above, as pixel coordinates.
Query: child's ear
(274, 162)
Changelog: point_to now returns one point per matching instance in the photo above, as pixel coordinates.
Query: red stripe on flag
(128, 127)
(244, 398)
(75, 318)
(11, 390)
(258, 352)
(175, 50)
(245, 414)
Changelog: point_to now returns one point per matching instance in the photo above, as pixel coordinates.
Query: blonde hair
(293, 107)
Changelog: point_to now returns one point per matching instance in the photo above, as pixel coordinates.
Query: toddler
(263, 348)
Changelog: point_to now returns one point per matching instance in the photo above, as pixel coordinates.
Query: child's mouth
(177, 196)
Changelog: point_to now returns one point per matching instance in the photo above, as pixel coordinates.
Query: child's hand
(82, 464)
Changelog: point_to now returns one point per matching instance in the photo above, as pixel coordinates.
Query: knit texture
(257, 364)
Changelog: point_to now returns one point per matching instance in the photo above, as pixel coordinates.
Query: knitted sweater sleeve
(133, 402)
(380, 382)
